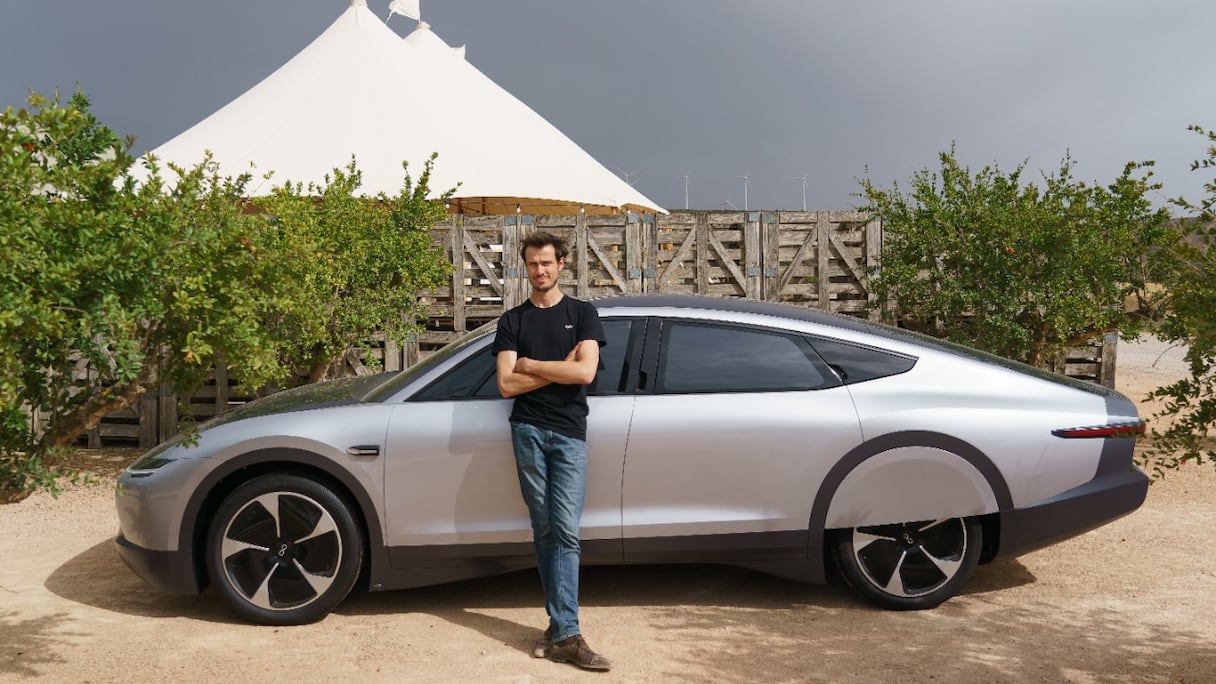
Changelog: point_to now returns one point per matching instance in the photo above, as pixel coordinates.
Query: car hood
(308, 397)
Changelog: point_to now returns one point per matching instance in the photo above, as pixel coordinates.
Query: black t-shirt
(549, 335)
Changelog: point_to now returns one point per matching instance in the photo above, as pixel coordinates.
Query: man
(548, 351)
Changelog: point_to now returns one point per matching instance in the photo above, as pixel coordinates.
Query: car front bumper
(169, 571)
(1118, 488)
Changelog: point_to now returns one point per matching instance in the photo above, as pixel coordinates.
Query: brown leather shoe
(575, 650)
(543, 643)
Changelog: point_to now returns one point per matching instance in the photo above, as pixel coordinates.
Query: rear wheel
(909, 566)
(284, 549)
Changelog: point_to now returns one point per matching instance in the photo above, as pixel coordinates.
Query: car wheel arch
(896, 440)
(240, 469)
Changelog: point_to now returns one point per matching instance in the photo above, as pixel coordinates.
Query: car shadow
(998, 576)
(97, 577)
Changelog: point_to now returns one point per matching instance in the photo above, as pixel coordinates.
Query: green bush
(1024, 270)
(111, 288)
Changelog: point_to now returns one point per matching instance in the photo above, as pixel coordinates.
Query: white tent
(360, 89)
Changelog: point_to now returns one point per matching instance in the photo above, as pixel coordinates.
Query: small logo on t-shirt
(569, 327)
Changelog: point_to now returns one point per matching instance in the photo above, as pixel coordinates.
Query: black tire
(284, 550)
(909, 566)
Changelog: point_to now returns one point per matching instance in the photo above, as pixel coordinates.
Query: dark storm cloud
(716, 90)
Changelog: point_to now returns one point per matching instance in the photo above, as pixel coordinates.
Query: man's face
(543, 267)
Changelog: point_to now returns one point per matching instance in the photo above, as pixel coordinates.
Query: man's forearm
(517, 383)
(560, 372)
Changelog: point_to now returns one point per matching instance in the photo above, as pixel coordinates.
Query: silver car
(729, 431)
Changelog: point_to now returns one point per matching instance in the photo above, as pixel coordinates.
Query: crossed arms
(522, 375)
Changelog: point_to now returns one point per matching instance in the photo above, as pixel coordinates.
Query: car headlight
(157, 457)
(149, 462)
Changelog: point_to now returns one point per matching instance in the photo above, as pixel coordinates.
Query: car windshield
(395, 383)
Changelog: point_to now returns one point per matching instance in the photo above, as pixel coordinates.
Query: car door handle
(364, 450)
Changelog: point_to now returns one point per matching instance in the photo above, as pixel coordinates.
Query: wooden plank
(846, 216)
(770, 261)
(650, 256)
(581, 238)
(221, 385)
(701, 232)
(116, 431)
(562, 225)
(356, 364)
(633, 252)
(513, 271)
(147, 421)
(873, 252)
(411, 355)
(1106, 371)
(752, 258)
(724, 218)
(455, 248)
(392, 355)
(822, 236)
(167, 410)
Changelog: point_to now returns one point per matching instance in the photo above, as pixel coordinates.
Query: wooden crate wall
(810, 258)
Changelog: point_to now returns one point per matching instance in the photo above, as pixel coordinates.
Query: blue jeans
(553, 479)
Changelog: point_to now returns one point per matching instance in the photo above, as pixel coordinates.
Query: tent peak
(358, 3)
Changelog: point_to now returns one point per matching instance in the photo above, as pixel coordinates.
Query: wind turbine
(803, 179)
(629, 176)
(685, 177)
(745, 184)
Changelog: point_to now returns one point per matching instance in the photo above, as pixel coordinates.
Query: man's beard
(544, 288)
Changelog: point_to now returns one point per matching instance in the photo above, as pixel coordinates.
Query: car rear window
(854, 363)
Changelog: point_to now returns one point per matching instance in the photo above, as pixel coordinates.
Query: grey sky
(715, 89)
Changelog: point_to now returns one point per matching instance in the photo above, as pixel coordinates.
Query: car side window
(611, 377)
(476, 378)
(856, 364)
(699, 357)
(469, 379)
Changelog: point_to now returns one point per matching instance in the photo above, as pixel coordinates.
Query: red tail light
(1134, 429)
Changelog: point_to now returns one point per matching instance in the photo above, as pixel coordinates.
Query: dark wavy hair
(540, 239)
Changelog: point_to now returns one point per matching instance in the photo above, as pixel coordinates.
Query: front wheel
(284, 549)
(909, 566)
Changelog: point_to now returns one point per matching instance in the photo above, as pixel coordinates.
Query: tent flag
(406, 8)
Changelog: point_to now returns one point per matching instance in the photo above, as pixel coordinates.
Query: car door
(730, 443)
(450, 477)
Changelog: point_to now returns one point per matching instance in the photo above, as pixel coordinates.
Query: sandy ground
(1134, 601)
